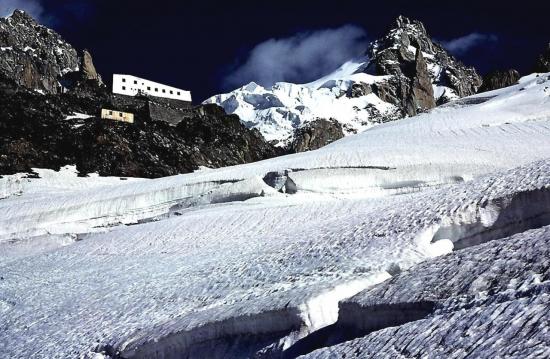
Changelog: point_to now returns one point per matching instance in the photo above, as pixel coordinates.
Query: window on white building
(124, 87)
(156, 89)
(135, 82)
(171, 92)
(123, 80)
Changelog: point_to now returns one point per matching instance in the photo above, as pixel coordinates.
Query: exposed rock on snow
(499, 79)
(316, 134)
(406, 73)
(40, 131)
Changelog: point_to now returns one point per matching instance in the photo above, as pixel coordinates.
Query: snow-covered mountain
(404, 73)
(282, 257)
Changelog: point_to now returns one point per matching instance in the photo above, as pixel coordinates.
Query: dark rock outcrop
(358, 90)
(499, 79)
(316, 134)
(543, 61)
(415, 63)
(88, 69)
(422, 93)
(36, 133)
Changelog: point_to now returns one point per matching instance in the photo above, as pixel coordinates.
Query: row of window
(149, 88)
(120, 113)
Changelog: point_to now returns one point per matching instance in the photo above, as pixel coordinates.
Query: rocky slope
(50, 97)
(316, 134)
(41, 131)
(404, 73)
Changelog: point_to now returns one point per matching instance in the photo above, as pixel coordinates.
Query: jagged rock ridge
(397, 54)
(34, 56)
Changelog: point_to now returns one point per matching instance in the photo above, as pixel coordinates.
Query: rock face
(499, 79)
(316, 134)
(44, 83)
(543, 62)
(422, 94)
(88, 69)
(404, 73)
(34, 56)
(417, 63)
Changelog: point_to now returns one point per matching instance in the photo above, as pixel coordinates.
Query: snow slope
(483, 296)
(218, 263)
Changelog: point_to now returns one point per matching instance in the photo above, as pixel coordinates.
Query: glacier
(270, 259)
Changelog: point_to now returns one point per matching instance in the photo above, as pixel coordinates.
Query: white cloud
(301, 58)
(33, 7)
(462, 45)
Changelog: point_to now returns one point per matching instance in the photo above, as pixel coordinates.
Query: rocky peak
(396, 54)
(36, 57)
(22, 17)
